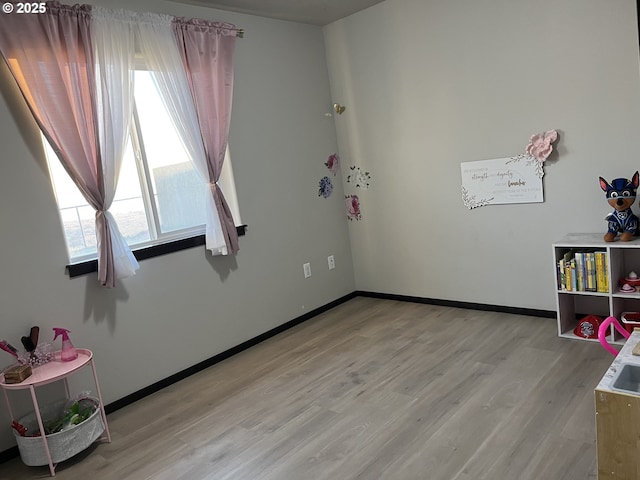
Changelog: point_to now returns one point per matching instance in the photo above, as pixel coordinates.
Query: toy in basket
(70, 427)
(630, 320)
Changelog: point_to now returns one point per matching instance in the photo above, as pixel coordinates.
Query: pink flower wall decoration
(353, 207)
(333, 163)
(540, 145)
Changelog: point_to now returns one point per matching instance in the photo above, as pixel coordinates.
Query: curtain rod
(239, 31)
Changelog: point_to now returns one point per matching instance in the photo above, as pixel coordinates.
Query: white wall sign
(502, 180)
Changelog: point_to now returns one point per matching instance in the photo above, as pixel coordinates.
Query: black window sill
(83, 268)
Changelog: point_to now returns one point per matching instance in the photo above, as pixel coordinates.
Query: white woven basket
(62, 445)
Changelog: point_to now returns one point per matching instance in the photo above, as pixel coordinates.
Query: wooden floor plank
(372, 389)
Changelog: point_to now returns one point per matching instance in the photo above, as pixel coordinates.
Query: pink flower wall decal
(333, 163)
(540, 145)
(353, 207)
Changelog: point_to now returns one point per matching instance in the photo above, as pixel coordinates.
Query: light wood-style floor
(373, 389)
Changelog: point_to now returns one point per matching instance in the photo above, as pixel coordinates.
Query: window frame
(159, 243)
(143, 253)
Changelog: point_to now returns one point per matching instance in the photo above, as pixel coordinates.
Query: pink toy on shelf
(602, 333)
(630, 320)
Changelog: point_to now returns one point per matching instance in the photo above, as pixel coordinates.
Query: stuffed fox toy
(621, 193)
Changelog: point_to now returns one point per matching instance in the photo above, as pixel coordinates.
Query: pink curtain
(207, 52)
(51, 57)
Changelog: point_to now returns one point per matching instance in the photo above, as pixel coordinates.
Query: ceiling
(315, 12)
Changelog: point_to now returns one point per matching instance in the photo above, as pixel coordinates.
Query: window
(160, 197)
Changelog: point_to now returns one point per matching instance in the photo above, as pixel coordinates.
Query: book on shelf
(590, 260)
(581, 284)
(583, 271)
(568, 281)
(602, 274)
(574, 275)
(562, 277)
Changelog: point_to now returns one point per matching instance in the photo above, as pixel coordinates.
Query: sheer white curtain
(158, 47)
(114, 50)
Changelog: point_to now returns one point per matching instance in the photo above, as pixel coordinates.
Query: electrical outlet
(331, 261)
(307, 270)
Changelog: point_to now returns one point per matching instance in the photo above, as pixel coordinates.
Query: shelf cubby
(621, 259)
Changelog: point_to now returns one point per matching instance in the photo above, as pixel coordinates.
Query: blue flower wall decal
(325, 187)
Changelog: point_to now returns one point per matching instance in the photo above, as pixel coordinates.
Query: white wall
(428, 84)
(185, 307)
